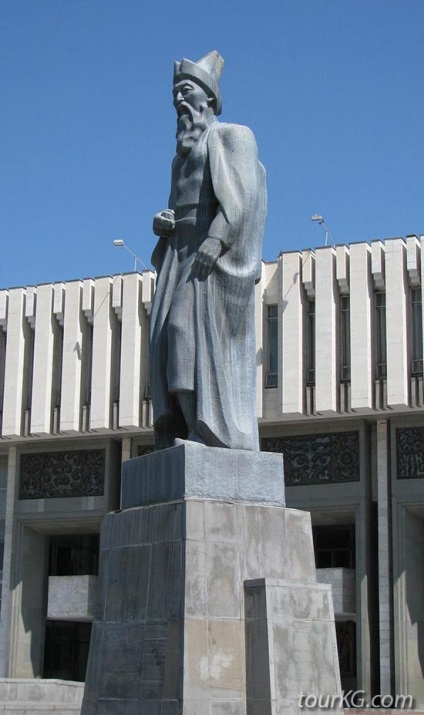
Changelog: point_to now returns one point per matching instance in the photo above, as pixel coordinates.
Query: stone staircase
(25, 696)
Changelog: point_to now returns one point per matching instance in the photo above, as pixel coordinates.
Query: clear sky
(333, 89)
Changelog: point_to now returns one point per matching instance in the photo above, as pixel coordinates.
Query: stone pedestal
(183, 626)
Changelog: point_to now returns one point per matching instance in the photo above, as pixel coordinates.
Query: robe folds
(202, 333)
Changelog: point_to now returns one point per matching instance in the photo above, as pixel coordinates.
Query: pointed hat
(205, 72)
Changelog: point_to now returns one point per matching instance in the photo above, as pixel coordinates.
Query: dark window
(417, 331)
(380, 336)
(29, 365)
(346, 646)
(344, 338)
(74, 555)
(87, 363)
(66, 650)
(57, 366)
(310, 343)
(334, 546)
(271, 375)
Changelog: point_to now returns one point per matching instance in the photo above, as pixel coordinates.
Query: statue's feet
(192, 438)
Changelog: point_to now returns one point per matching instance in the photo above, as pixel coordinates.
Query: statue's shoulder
(230, 134)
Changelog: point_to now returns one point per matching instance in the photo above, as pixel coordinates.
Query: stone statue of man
(208, 258)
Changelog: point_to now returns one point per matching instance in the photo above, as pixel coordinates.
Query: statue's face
(187, 94)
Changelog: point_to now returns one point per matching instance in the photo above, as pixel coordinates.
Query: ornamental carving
(317, 459)
(62, 474)
(410, 453)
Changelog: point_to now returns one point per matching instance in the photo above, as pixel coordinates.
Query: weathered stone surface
(192, 470)
(71, 597)
(182, 644)
(24, 696)
(290, 645)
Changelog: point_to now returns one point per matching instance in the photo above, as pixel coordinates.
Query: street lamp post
(120, 243)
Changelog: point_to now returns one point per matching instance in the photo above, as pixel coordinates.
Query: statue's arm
(164, 228)
(233, 157)
(233, 160)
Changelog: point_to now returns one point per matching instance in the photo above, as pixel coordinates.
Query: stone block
(290, 645)
(174, 632)
(190, 470)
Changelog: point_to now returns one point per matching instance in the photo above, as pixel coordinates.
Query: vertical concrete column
(384, 557)
(408, 603)
(396, 324)
(361, 337)
(367, 629)
(28, 603)
(292, 334)
(326, 347)
(104, 320)
(5, 620)
(259, 332)
(126, 449)
(71, 385)
(41, 400)
(271, 295)
(133, 361)
(17, 333)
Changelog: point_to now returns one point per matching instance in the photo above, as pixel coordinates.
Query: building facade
(339, 392)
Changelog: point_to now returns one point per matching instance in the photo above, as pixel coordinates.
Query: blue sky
(333, 90)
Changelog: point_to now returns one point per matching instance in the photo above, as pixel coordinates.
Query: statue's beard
(190, 126)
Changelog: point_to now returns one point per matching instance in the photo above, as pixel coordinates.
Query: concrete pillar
(384, 558)
(18, 334)
(101, 383)
(133, 352)
(259, 334)
(126, 449)
(409, 605)
(41, 400)
(28, 603)
(364, 592)
(361, 338)
(71, 387)
(12, 485)
(326, 348)
(397, 291)
(292, 335)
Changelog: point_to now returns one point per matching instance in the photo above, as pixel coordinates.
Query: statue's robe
(203, 331)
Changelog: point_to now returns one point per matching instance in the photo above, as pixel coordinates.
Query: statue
(208, 258)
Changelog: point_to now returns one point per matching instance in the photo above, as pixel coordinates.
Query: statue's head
(196, 84)
(196, 98)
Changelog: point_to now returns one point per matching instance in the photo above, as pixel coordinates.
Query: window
(310, 343)
(74, 555)
(57, 365)
(344, 338)
(66, 650)
(271, 375)
(380, 336)
(334, 546)
(417, 332)
(87, 363)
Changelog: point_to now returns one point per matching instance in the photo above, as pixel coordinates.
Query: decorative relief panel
(317, 459)
(410, 453)
(62, 474)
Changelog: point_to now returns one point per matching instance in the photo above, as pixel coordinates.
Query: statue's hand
(164, 223)
(206, 257)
